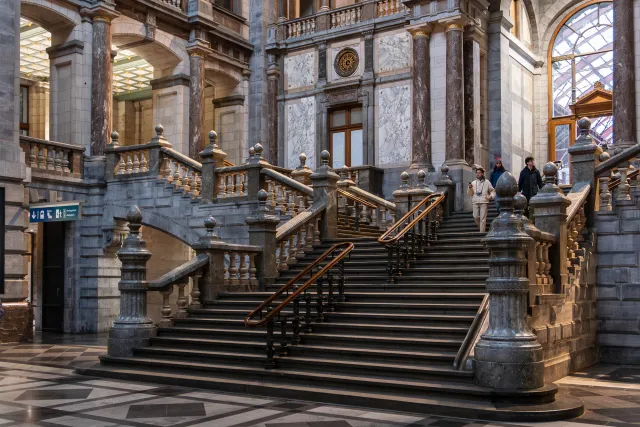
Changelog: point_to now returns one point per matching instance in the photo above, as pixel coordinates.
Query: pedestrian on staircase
(482, 192)
(530, 181)
(498, 170)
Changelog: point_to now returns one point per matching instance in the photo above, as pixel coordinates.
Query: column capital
(457, 23)
(423, 30)
(198, 48)
(474, 32)
(101, 12)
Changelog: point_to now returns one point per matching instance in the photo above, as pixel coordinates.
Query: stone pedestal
(262, 232)
(132, 328)
(583, 164)
(402, 197)
(550, 211)
(421, 134)
(212, 283)
(624, 89)
(325, 192)
(446, 186)
(302, 173)
(421, 191)
(101, 77)
(508, 355)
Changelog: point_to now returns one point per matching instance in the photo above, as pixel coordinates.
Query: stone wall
(618, 279)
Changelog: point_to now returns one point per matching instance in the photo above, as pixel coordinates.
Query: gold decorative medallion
(346, 62)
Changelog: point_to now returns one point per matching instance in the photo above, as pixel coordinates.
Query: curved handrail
(385, 239)
(577, 199)
(346, 247)
(356, 199)
(615, 160)
(364, 194)
(614, 183)
(176, 155)
(294, 223)
(289, 182)
(179, 273)
(472, 335)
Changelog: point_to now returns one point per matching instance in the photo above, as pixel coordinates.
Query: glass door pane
(562, 133)
(338, 149)
(357, 150)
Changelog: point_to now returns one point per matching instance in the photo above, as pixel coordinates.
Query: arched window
(580, 58)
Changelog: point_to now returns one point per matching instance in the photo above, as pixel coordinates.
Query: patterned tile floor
(38, 388)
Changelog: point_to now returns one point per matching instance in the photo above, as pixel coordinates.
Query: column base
(461, 174)
(427, 167)
(124, 338)
(509, 364)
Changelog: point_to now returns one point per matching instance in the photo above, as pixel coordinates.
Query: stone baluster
(181, 302)
(33, 155)
(65, 163)
(253, 280)
(300, 243)
(508, 355)
(50, 154)
(244, 280)
(195, 193)
(282, 263)
(57, 161)
(291, 260)
(129, 167)
(195, 292)
(316, 230)
(132, 328)
(165, 311)
(547, 264)
(603, 181)
(42, 154)
(136, 163)
(144, 164)
(233, 271)
(308, 237)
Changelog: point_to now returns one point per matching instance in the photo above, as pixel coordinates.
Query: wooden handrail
(356, 199)
(346, 248)
(385, 239)
(614, 184)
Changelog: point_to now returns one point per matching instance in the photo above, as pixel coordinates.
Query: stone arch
(162, 52)
(159, 222)
(505, 5)
(50, 15)
(215, 72)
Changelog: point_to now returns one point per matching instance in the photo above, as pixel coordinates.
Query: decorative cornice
(64, 49)
(228, 101)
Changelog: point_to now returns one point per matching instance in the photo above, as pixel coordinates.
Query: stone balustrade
(346, 16)
(390, 7)
(173, 3)
(132, 160)
(240, 272)
(375, 210)
(52, 158)
(300, 27)
(180, 171)
(296, 237)
(232, 182)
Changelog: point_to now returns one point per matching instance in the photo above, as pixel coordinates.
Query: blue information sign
(51, 213)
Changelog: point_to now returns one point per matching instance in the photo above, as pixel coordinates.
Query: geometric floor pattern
(38, 388)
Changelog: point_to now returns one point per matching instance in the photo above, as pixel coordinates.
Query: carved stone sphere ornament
(346, 62)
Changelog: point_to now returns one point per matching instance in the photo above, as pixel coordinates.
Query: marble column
(196, 103)
(471, 58)
(273, 76)
(455, 96)
(624, 88)
(101, 77)
(421, 134)
(324, 5)
(283, 10)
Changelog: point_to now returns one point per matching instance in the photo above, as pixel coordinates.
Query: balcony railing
(53, 158)
(341, 17)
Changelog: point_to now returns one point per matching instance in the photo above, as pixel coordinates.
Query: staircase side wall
(618, 279)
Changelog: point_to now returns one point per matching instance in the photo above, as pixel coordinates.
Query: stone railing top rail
(370, 197)
(289, 182)
(180, 273)
(236, 168)
(615, 160)
(32, 140)
(577, 199)
(182, 158)
(337, 10)
(294, 223)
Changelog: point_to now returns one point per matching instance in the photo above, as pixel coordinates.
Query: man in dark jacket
(530, 180)
(498, 170)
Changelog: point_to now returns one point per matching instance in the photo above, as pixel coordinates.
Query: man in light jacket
(482, 193)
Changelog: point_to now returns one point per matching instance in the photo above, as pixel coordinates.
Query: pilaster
(421, 132)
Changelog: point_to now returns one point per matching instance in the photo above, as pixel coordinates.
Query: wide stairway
(388, 345)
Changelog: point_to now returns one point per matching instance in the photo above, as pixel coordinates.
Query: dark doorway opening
(53, 277)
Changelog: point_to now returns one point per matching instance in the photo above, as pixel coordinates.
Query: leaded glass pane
(583, 19)
(595, 39)
(606, 13)
(565, 40)
(562, 82)
(591, 69)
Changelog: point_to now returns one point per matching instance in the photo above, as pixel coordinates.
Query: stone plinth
(325, 193)
(262, 232)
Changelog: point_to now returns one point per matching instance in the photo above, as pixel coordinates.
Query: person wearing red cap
(482, 193)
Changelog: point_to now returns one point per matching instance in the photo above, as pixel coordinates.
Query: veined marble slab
(394, 125)
(300, 70)
(301, 131)
(394, 52)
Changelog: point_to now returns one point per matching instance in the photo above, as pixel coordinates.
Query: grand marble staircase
(387, 345)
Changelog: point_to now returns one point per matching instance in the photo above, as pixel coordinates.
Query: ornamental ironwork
(346, 62)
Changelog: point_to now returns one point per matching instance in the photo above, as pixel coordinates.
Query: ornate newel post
(262, 232)
(402, 196)
(583, 164)
(212, 282)
(345, 178)
(421, 190)
(508, 355)
(132, 328)
(325, 193)
(446, 186)
(212, 158)
(550, 208)
(302, 173)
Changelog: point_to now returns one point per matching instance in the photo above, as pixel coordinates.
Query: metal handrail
(356, 199)
(472, 335)
(346, 247)
(614, 183)
(386, 240)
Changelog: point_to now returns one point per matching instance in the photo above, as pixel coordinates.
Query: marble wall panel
(334, 50)
(394, 52)
(301, 131)
(394, 125)
(300, 70)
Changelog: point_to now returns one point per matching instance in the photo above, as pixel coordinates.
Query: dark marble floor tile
(289, 405)
(170, 391)
(195, 409)
(32, 414)
(449, 423)
(81, 393)
(624, 374)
